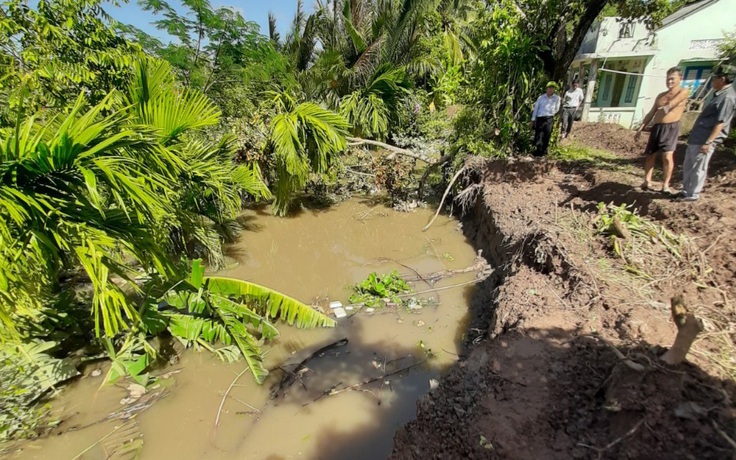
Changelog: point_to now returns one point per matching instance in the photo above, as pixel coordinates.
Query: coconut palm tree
(75, 190)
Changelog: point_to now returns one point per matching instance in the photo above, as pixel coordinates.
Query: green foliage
(371, 54)
(727, 49)
(377, 290)
(504, 80)
(371, 109)
(59, 49)
(215, 51)
(628, 232)
(236, 314)
(126, 180)
(306, 138)
(75, 191)
(27, 372)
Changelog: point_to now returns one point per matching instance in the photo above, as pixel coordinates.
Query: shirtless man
(667, 110)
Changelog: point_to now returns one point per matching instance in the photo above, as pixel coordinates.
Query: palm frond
(272, 31)
(270, 303)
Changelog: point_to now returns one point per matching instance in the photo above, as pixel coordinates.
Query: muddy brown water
(314, 256)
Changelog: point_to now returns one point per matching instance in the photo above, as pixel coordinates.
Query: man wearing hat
(543, 118)
(710, 129)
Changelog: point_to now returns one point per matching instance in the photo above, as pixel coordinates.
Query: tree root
(444, 196)
(602, 450)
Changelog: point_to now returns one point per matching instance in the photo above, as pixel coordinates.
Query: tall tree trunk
(557, 62)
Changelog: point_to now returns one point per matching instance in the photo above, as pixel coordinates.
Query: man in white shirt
(571, 101)
(543, 118)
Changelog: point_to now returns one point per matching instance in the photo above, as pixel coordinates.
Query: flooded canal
(315, 256)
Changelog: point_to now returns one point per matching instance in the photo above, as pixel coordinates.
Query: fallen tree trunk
(354, 141)
(688, 328)
(294, 375)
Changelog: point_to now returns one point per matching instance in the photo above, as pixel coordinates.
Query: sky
(251, 10)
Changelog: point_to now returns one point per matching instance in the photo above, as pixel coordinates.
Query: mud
(544, 376)
(315, 256)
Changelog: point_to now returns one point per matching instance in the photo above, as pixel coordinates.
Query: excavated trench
(535, 379)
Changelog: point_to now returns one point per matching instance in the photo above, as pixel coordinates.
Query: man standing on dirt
(710, 129)
(667, 110)
(572, 99)
(543, 118)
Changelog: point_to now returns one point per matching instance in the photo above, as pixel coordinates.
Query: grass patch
(587, 156)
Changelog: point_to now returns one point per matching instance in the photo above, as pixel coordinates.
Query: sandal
(667, 190)
(645, 187)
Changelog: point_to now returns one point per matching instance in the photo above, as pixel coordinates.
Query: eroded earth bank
(562, 358)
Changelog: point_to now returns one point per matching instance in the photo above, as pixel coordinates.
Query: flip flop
(645, 187)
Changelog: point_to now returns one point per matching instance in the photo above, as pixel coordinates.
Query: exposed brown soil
(548, 372)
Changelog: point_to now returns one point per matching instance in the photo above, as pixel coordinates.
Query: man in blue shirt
(710, 129)
(543, 118)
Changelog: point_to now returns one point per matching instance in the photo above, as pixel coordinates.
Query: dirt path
(556, 337)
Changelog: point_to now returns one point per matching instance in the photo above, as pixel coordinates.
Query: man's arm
(580, 99)
(534, 111)
(558, 104)
(725, 115)
(677, 100)
(713, 134)
(646, 121)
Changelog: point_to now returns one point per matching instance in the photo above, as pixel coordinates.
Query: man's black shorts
(663, 138)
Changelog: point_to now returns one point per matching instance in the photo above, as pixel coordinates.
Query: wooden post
(591, 88)
(688, 328)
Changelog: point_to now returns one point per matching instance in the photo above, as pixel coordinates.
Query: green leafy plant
(229, 317)
(306, 139)
(633, 237)
(377, 290)
(27, 373)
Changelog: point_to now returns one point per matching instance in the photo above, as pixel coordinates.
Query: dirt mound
(567, 337)
(609, 136)
(543, 394)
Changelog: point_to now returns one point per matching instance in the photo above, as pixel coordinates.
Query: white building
(631, 61)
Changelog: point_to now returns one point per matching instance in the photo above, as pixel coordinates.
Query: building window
(631, 88)
(606, 86)
(696, 79)
(626, 30)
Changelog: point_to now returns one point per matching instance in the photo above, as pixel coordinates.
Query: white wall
(609, 40)
(693, 38)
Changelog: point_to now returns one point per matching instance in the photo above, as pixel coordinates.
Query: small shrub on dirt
(395, 176)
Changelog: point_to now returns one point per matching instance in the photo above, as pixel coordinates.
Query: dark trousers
(542, 134)
(568, 117)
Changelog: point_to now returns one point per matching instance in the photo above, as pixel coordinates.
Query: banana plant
(238, 315)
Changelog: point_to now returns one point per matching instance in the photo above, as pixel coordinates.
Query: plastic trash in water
(339, 312)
